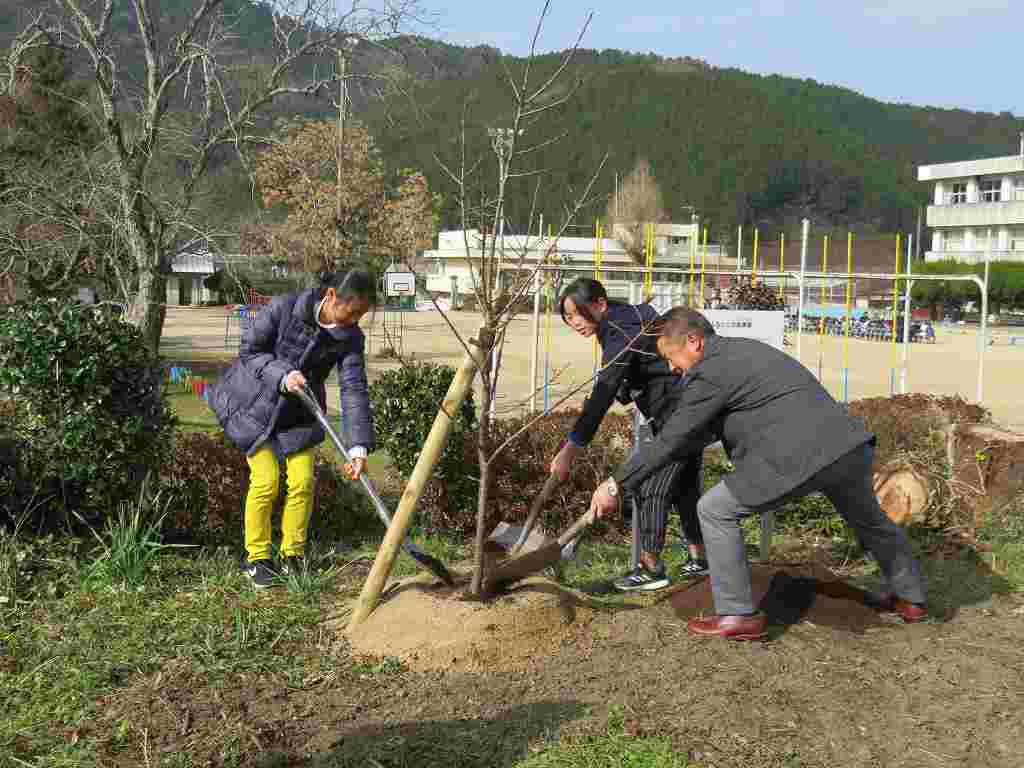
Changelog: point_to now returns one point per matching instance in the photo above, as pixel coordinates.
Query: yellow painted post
(782, 260)
(649, 262)
(753, 271)
(693, 263)
(849, 320)
(895, 305)
(821, 315)
(703, 264)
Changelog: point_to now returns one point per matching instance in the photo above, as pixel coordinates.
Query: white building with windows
(977, 209)
(448, 267)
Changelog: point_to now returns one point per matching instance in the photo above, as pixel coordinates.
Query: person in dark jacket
(787, 438)
(293, 342)
(633, 372)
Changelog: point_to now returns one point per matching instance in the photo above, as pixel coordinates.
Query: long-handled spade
(520, 567)
(429, 562)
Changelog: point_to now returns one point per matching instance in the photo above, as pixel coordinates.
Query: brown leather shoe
(887, 602)
(729, 627)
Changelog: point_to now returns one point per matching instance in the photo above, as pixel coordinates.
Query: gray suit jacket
(777, 423)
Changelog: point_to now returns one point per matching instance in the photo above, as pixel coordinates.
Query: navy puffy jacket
(285, 337)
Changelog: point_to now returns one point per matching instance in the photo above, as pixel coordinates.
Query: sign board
(761, 325)
(400, 283)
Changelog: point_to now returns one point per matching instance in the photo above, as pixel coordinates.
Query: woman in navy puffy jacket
(293, 342)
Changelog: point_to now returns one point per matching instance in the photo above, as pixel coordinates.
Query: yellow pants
(264, 482)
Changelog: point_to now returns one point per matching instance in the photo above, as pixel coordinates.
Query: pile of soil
(989, 461)
(431, 628)
(789, 594)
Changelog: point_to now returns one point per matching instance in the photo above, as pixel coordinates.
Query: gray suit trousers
(847, 483)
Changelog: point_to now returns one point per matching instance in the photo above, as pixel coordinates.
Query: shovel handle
(574, 530)
(307, 397)
(550, 485)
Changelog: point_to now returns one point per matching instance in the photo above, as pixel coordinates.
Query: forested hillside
(738, 148)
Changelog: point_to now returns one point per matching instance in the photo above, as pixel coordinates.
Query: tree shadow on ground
(955, 578)
(497, 742)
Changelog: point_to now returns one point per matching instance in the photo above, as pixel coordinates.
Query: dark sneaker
(643, 580)
(261, 574)
(694, 568)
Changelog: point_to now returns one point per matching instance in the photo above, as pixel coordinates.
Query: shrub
(914, 424)
(405, 402)
(520, 471)
(207, 478)
(89, 417)
(747, 295)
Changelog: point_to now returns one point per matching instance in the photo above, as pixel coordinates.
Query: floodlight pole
(983, 335)
(906, 315)
(800, 285)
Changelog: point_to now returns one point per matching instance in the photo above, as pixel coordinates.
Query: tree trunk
(147, 309)
(483, 448)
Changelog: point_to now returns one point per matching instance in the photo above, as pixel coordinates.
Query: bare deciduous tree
(503, 269)
(193, 106)
(636, 202)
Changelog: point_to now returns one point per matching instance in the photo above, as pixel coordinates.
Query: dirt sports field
(948, 367)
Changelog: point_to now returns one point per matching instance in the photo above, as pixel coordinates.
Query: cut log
(903, 496)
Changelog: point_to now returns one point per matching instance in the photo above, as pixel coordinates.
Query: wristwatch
(613, 487)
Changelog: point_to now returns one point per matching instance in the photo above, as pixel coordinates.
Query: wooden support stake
(400, 523)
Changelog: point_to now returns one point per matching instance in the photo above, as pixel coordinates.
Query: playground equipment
(399, 298)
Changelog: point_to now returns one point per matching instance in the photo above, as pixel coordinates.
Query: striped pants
(675, 485)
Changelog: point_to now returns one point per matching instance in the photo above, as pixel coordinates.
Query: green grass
(613, 749)
(1004, 534)
(62, 654)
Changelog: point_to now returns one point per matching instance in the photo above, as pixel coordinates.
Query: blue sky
(947, 53)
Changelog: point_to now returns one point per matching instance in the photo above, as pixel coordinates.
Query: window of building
(991, 190)
(1017, 239)
(1018, 188)
(953, 241)
(958, 193)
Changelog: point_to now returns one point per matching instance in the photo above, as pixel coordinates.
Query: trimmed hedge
(86, 417)
(207, 479)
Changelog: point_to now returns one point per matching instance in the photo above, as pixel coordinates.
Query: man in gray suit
(787, 438)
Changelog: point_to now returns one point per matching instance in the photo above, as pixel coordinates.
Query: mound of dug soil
(789, 594)
(430, 628)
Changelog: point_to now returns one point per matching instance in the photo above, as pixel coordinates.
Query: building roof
(194, 263)
(578, 249)
(965, 168)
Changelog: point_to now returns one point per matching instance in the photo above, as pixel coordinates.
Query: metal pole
(983, 335)
(906, 316)
(800, 304)
(739, 248)
(342, 96)
(535, 352)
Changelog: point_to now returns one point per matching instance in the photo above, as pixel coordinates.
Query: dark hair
(356, 283)
(682, 321)
(583, 291)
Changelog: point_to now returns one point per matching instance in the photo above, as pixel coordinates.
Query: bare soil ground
(433, 680)
(949, 367)
(836, 685)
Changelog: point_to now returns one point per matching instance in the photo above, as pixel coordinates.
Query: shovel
(429, 562)
(513, 537)
(518, 568)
